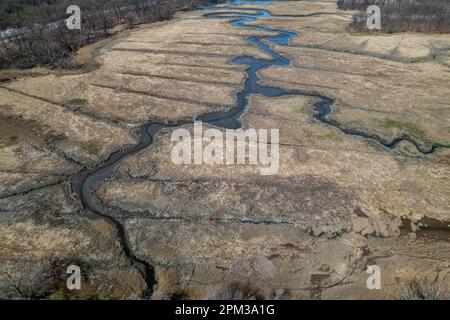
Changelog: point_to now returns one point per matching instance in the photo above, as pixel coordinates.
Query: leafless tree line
(430, 16)
(53, 44)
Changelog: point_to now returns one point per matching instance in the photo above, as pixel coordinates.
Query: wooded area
(430, 16)
(42, 37)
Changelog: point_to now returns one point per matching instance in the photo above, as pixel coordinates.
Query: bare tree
(42, 43)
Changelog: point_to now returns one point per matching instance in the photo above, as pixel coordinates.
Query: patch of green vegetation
(89, 147)
(327, 136)
(409, 127)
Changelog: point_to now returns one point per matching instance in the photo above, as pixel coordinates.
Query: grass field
(430, 16)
